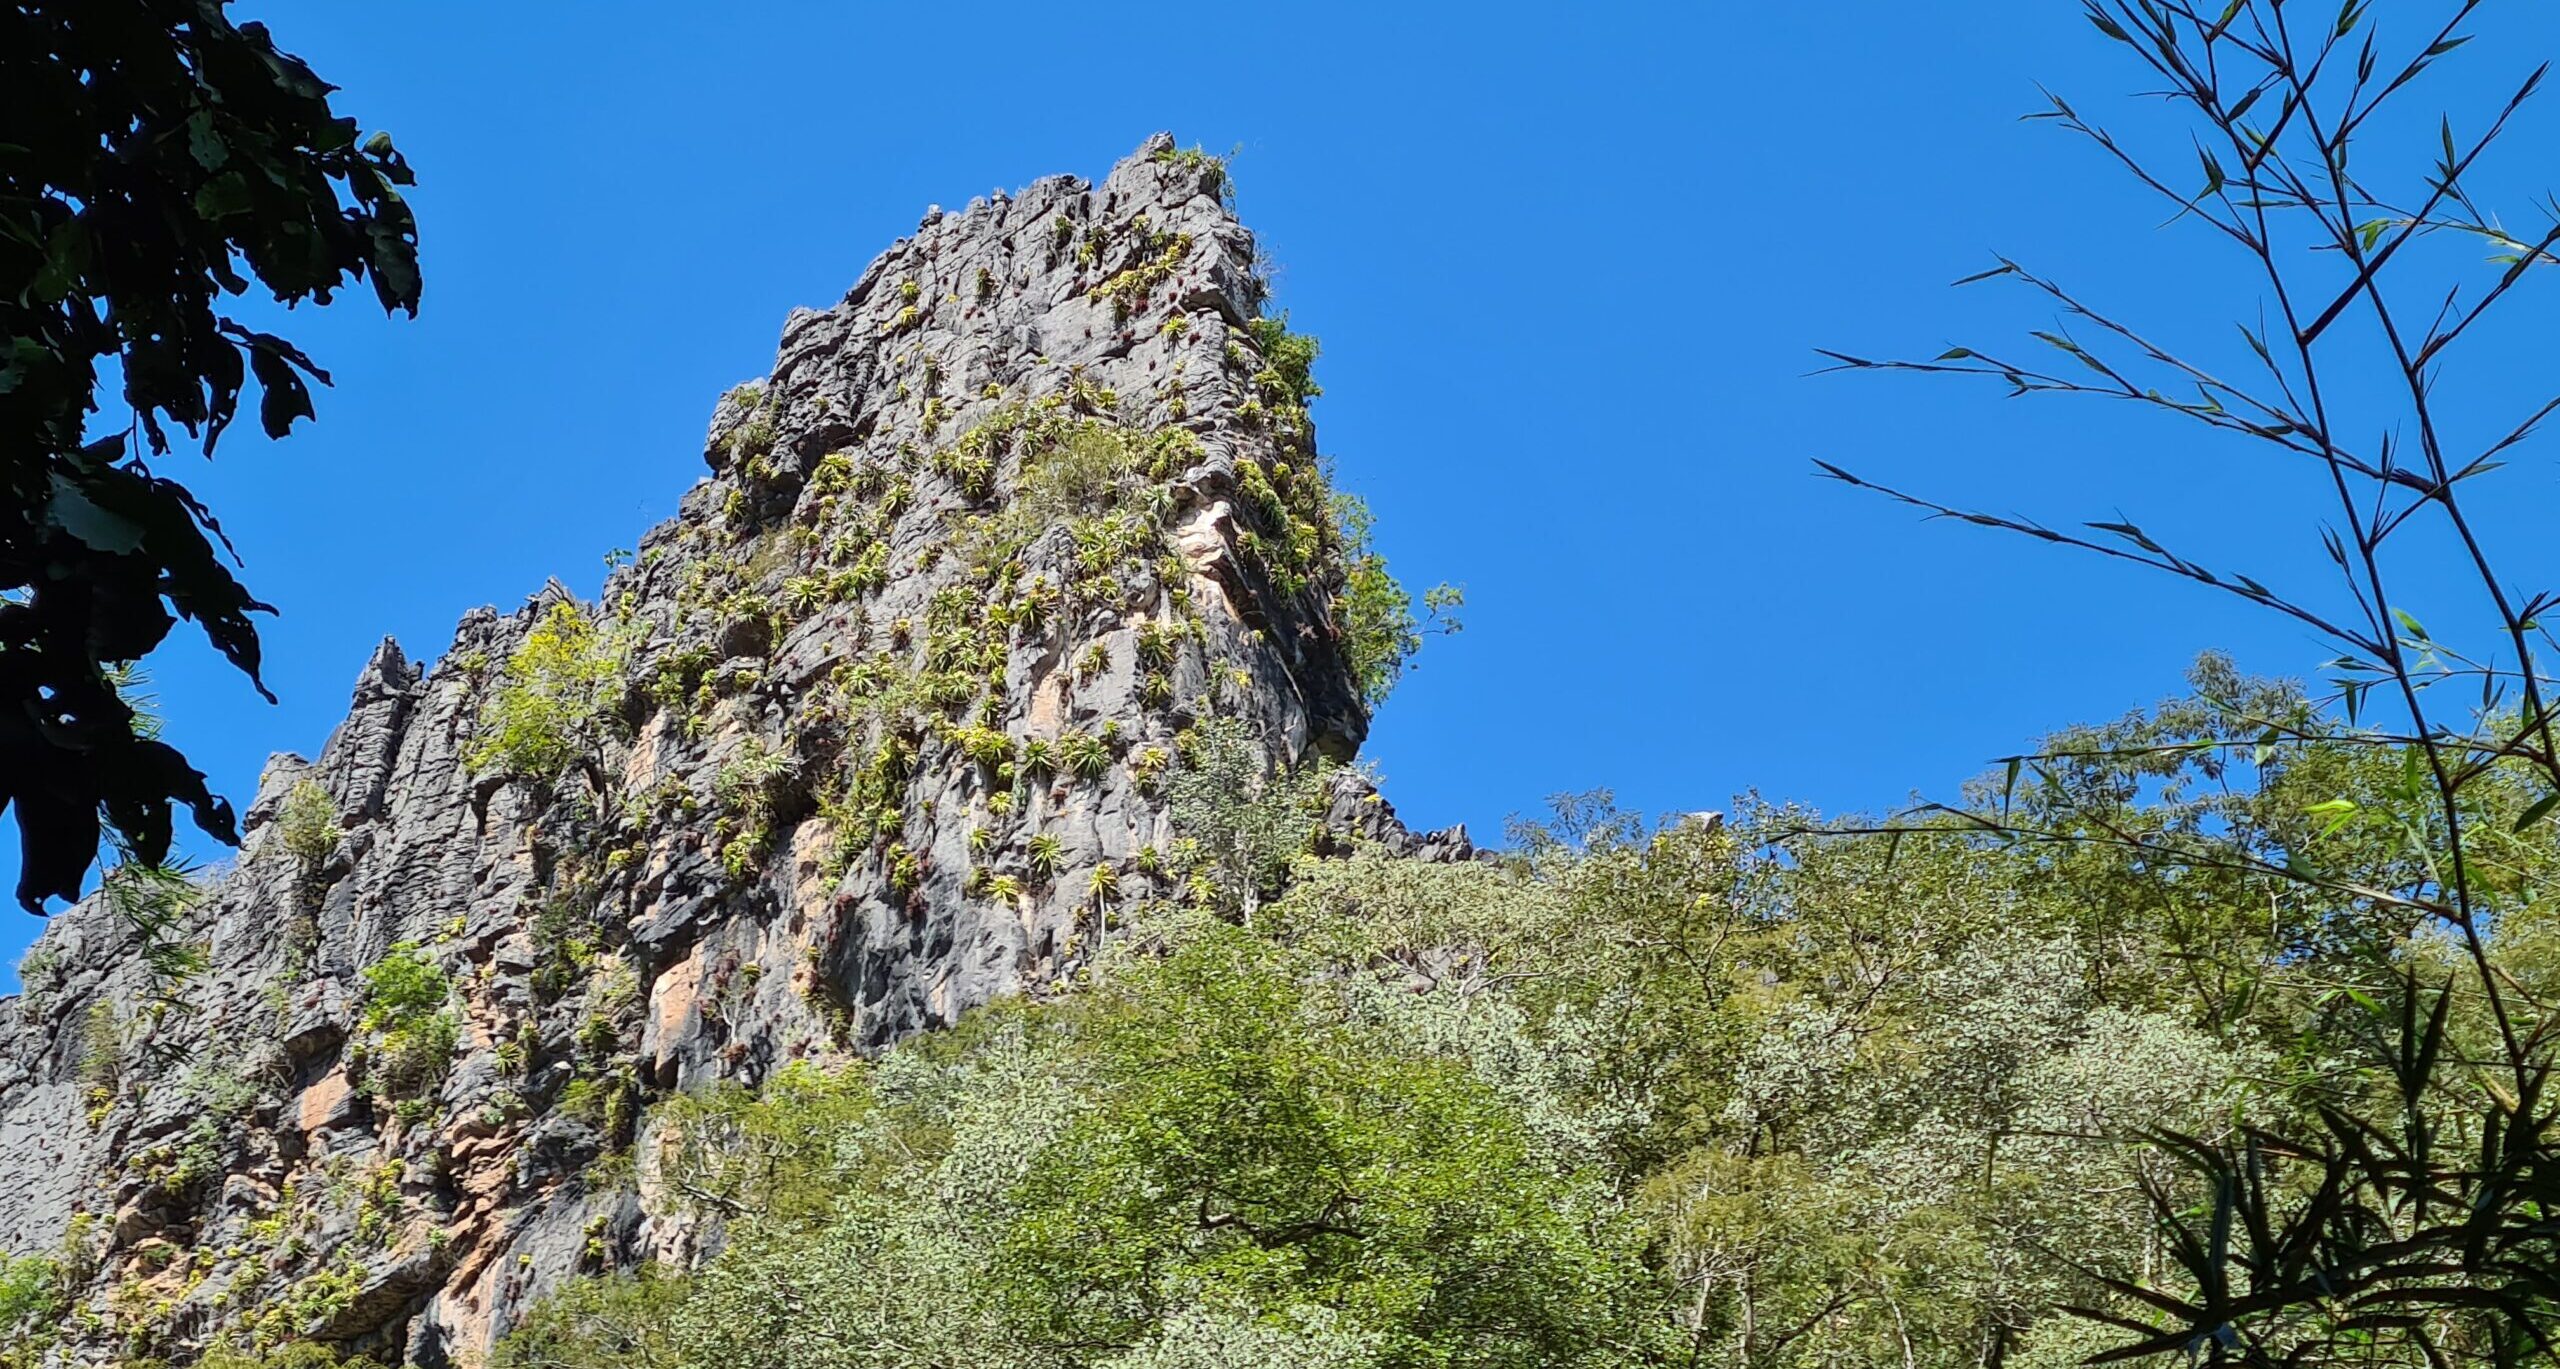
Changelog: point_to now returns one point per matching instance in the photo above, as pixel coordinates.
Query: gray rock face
(898, 682)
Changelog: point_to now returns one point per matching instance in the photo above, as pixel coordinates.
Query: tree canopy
(157, 162)
(1767, 1094)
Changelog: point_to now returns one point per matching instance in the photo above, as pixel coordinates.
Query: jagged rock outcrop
(890, 701)
(1357, 814)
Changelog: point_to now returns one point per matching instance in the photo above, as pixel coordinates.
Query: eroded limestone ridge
(871, 733)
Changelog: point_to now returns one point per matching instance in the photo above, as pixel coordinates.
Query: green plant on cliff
(751, 440)
(38, 972)
(1072, 469)
(1083, 755)
(103, 1050)
(410, 1031)
(307, 824)
(1372, 610)
(558, 702)
(1289, 361)
(1160, 255)
(1313, 534)
(33, 1297)
(1212, 166)
(750, 785)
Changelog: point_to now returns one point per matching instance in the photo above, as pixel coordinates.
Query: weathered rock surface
(893, 699)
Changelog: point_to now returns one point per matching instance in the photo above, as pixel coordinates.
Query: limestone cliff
(889, 704)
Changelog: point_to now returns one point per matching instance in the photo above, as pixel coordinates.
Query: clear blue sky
(1568, 264)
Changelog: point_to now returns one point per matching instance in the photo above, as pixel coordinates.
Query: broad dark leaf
(160, 148)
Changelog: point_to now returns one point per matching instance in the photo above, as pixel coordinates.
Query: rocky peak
(878, 724)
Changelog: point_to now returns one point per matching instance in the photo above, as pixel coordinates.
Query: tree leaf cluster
(158, 161)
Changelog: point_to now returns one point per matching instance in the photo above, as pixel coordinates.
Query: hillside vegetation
(1690, 1093)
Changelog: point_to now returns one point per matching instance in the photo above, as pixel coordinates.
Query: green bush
(296, 1355)
(1248, 819)
(1196, 158)
(1373, 612)
(102, 1046)
(307, 823)
(33, 1298)
(1290, 359)
(617, 1322)
(1072, 471)
(410, 1031)
(558, 702)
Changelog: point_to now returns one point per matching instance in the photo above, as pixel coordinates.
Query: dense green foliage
(32, 1299)
(1247, 821)
(2400, 1211)
(2221, 1031)
(1373, 611)
(157, 158)
(557, 703)
(297, 1355)
(1634, 1095)
(409, 1032)
(307, 823)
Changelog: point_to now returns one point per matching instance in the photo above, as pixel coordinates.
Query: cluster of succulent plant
(940, 683)
(1195, 158)
(1158, 256)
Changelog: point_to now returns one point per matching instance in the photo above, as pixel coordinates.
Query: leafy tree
(1247, 1149)
(1248, 818)
(157, 159)
(1869, 1105)
(1372, 610)
(558, 703)
(770, 1153)
(2398, 1209)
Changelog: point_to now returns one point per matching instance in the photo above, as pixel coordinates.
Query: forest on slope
(1629, 1094)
